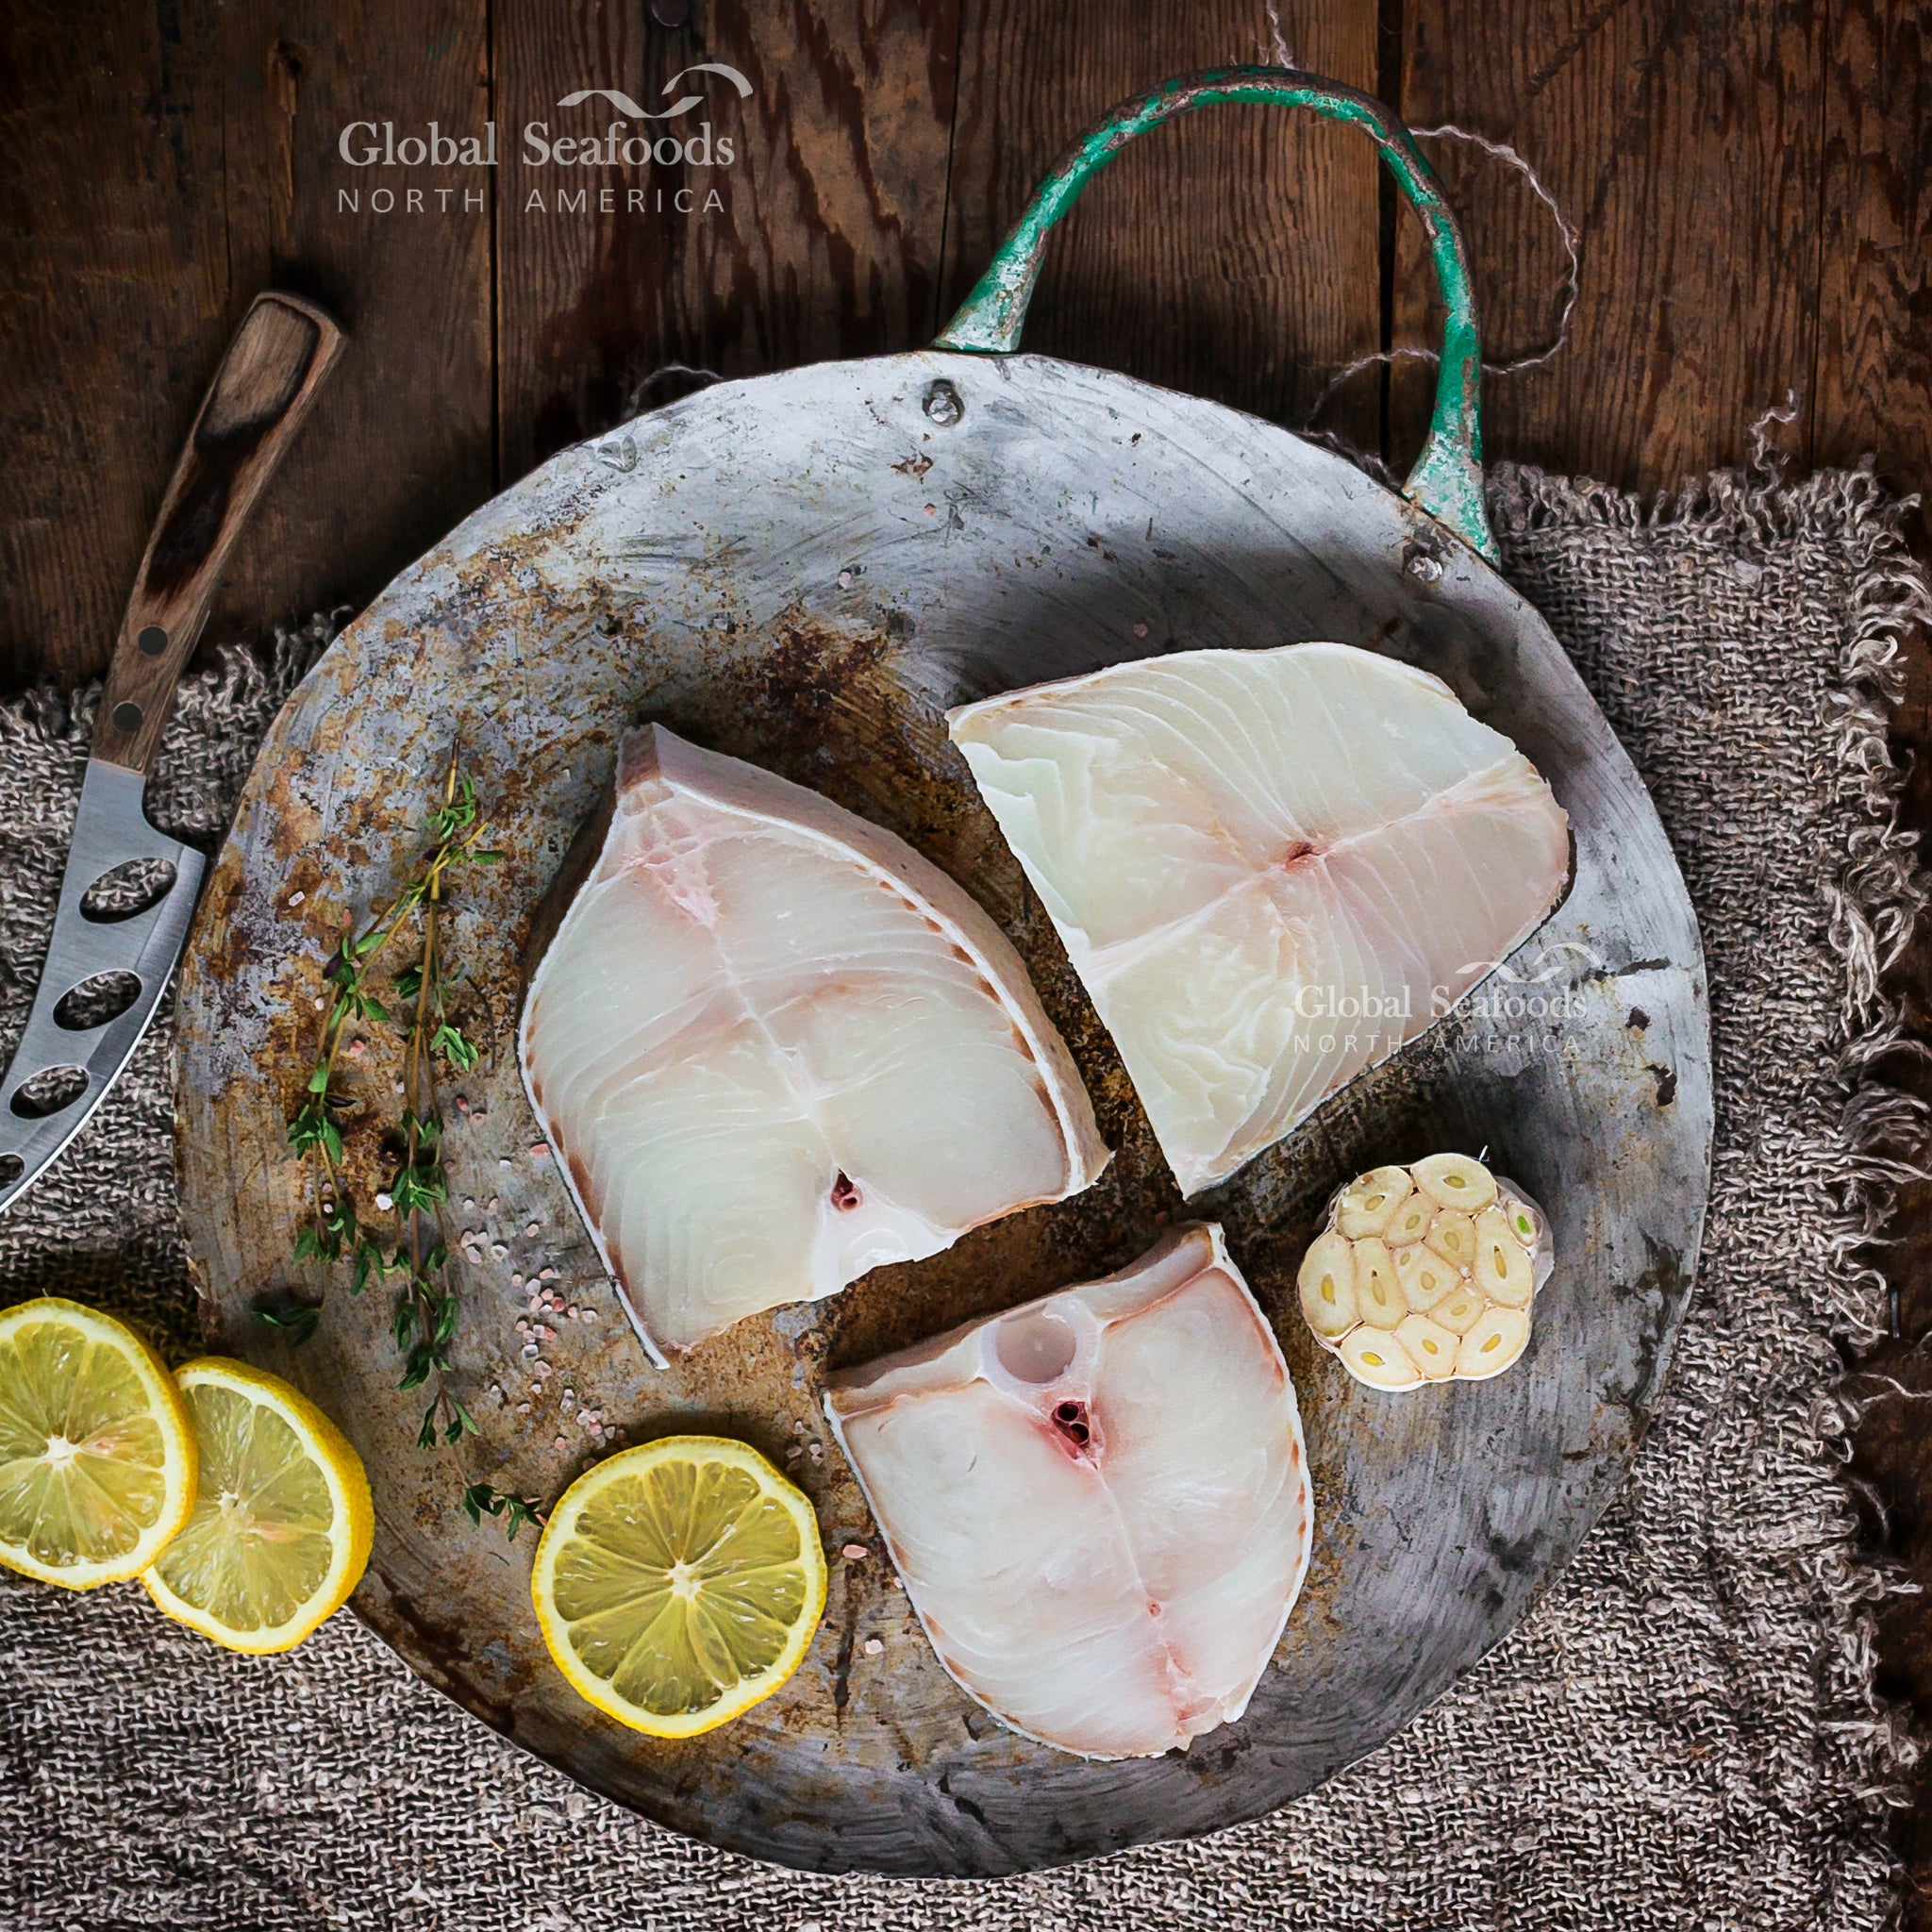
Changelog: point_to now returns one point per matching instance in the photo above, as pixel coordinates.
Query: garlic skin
(1427, 1275)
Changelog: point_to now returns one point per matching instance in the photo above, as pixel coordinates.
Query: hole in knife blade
(52, 1090)
(128, 890)
(97, 999)
(11, 1168)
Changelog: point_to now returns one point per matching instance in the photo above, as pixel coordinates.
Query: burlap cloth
(1683, 1733)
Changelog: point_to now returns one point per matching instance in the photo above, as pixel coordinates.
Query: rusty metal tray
(806, 570)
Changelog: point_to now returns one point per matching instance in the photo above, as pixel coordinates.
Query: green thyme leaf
(298, 1321)
(448, 1041)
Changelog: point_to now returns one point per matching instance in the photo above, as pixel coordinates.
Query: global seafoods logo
(661, 169)
(1510, 1009)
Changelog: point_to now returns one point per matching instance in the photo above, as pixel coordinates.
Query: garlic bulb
(1427, 1274)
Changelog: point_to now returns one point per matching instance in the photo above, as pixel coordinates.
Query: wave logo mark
(624, 105)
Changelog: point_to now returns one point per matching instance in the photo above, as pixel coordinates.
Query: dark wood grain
(264, 388)
(1873, 386)
(402, 443)
(160, 168)
(1685, 143)
(113, 267)
(1233, 255)
(825, 240)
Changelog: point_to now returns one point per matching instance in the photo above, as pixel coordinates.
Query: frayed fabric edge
(1871, 903)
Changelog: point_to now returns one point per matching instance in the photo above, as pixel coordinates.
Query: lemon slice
(96, 1454)
(280, 1531)
(679, 1583)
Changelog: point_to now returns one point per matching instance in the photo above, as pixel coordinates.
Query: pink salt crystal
(539, 1152)
(872, 1646)
(855, 1552)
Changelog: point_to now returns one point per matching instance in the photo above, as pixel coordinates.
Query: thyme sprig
(426, 1309)
(481, 1500)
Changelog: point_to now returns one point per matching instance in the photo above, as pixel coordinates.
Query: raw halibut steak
(1098, 1503)
(774, 1048)
(1271, 868)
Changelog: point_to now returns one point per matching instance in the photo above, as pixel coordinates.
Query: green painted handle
(1447, 480)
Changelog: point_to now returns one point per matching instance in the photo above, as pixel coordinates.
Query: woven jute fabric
(1682, 1734)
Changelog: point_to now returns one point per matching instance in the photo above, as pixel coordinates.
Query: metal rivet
(153, 640)
(943, 404)
(128, 717)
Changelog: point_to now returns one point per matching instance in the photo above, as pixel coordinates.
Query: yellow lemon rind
(348, 1486)
(748, 1690)
(171, 1412)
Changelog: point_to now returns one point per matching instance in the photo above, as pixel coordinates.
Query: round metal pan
(806, 570)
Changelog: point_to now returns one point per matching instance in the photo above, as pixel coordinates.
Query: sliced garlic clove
(1374, 1358)
(1411, 1221)
(1328, 1287)
(1371, 1199)
(1501, 1268)
(1460, 1311)
(1425, 1277)
(1454, 1180)
(1377, 1293)
(1492, 1344)
(1429, 1346)
(1531, 1226)
(1453, 1237)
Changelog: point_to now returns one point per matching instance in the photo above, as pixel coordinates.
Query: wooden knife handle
(248, 418)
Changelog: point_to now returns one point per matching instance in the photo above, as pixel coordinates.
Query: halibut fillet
(1098, 1503)
(775, 1048)
(1271, 868)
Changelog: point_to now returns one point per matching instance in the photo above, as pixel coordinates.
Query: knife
(114, 944)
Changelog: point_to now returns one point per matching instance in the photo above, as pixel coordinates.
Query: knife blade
(127, 893)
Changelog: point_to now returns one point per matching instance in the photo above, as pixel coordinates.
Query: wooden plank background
(1750, 184)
